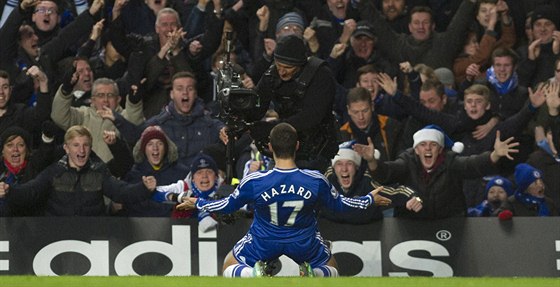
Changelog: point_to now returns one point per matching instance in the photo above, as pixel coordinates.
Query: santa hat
(345, 151)
(435, 133)
(525, 175)
(501, 182)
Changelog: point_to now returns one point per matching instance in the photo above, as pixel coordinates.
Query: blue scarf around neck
(528, 200)
(502, 88)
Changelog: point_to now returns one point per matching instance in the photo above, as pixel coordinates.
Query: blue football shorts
(249, 249)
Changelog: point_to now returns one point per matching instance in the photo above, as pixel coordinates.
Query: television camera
(237, 103)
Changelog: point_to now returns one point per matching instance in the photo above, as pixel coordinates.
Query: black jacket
(71, 192)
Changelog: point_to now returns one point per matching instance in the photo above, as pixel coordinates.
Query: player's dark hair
(283, 138)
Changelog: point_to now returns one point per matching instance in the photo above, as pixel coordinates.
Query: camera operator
(301, 90)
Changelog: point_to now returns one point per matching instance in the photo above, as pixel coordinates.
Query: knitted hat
(501, 182)
(445, 76)
(152, 132)
(15, 131)
(435, 133)
(202, 161)
(525, 174)
(363, 28)
(545, 12)
(345, 151)
(290, 50)
(290, 18)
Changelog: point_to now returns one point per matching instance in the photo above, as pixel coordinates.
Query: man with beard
(435, 173)
(396, 15)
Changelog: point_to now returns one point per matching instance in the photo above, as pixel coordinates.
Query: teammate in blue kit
(285, 222)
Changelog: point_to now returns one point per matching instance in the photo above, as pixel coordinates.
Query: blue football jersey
(285, 202)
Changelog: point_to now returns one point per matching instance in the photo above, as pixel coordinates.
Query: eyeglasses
(105, 95)
(291, 28)
(46, 11)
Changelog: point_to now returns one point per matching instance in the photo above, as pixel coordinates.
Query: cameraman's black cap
(290, 50)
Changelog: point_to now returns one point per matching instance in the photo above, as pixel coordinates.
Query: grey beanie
(290, 18)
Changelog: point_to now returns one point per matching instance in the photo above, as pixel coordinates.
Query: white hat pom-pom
(376, 154)
(458, 147)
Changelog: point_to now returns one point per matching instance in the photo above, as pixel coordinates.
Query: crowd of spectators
(102, 100)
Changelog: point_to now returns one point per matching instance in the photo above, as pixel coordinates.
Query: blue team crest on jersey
(334, 192)
(235, 193)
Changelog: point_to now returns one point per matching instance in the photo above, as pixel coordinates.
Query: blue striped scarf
(502, 88)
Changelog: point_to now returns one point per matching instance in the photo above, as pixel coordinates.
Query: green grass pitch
(156, 281)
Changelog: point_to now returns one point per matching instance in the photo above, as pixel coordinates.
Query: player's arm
(339, 203)
(225, 205)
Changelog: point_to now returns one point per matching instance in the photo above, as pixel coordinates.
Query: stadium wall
(471, 247)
